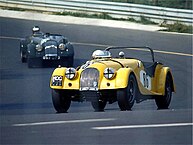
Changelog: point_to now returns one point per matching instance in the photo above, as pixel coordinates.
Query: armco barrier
(158, 14)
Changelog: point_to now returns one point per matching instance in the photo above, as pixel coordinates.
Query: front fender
(122, 77)
(66, 83)
(70, 49)
(58, 72)
(118, 82)
(31, 50)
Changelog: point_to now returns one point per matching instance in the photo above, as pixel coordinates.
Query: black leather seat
(150, 67)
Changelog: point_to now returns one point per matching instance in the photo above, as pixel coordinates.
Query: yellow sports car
(106, 79)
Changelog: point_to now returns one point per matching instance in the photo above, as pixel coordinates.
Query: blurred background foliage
(179, 4)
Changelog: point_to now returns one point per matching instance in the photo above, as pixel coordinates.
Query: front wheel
(99, 105)
(126, 97)
(163, 102)
(61, 101)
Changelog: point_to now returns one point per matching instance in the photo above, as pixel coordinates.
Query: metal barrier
(121, 10)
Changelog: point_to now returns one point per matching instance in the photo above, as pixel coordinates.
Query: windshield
(143, 54)
(49, 43)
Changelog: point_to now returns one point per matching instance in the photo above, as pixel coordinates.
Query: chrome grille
(89, 79)
(51, 50)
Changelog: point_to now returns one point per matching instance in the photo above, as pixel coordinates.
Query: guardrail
(158, 14)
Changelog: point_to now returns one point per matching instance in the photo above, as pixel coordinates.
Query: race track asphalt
(27, 114)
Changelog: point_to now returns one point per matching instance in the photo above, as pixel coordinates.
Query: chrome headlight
(39, 47)
(62, 46)
(70, 73)
(109, 73)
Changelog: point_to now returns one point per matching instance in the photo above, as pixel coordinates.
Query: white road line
(142, 126)
(64, 122)
(13, 38)
(101, 45)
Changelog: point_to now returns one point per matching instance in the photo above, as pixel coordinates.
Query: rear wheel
(60, 101)
(163, 102)
(23, 57)
(126, 97)
(99, 105)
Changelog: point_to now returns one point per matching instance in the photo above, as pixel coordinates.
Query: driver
(36, 31)
(101, 54)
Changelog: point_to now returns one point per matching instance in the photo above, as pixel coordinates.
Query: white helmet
(35, 29)
(121, 54)
(101, 54)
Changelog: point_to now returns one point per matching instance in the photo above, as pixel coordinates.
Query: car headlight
(57, 80)
(39, 47)
(62, 46)
(109, 73)
(70, 73)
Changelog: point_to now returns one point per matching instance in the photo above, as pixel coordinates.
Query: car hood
(50, 43)
(116, 64)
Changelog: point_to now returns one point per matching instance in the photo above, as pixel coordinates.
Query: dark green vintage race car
(41, 49)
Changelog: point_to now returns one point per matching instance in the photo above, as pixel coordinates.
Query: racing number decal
(145, 80)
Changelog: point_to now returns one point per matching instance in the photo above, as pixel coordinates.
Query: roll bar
(132, 48)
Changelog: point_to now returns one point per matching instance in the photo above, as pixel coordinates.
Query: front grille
(50, 51)
(89, 79)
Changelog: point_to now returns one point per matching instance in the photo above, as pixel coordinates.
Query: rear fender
(161, 80)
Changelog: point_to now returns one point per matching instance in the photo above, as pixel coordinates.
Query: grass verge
(142, 19)
(176, 27)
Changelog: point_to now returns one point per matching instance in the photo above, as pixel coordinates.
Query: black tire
(99, 105)
(22, 51)
(126, 97)
(23, 57)
(163, 102)
(60, 101)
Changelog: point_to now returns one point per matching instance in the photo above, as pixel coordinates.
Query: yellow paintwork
(121, 78)
(162, 79)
